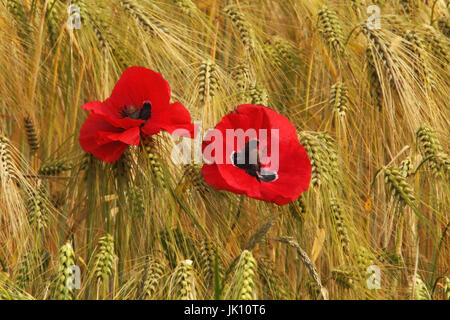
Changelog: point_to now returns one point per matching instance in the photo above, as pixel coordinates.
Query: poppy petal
(104, 110)
(137, 85)
(293, 172)
(173, 117)
(106, 151)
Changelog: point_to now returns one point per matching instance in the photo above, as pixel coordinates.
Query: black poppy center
(248, 160)
(136, 113)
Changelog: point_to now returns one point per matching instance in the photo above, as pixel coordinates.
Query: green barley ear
(37, 210)
(133, 9)
(241, 24)
(137, 201)
(193, 176)
(104, 260)
(6, 162)
(154, 272)
(376, 91)
(83, 9)
(418, 290)
(24, 272)
(339, 99)
(182, 284)
(9, 291)
(17, 9)
(321, 149)
(271, 280)
(298, 208)
(364, 259)
(340, 225)
(207, 260)
(153, 158)
(329, 145)
(32, 135)
(66, 262)
(316, 156)
(258, 95)
(344, 278)
(406, 167)
(54, 168)
(313, 289)
(280, 52)
(186, 6)
(53, 16)
(124, 166)
(259, 234)
(432, 150)
(208, 80)
(397, 184)
(330, 29)
(243, 285)
(306, 260)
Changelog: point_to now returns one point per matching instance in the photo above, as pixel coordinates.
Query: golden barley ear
(54, 168)
(38, 212)
(207, 260)
(418, 49)
(258, 95)
(207, 80)
(153, 27)
(241, 24)
(32, 135)
(7, 167)
(339, 99)
(376, 91)
(382, 52)
(186, 6)
(331, 29)
(241, 76)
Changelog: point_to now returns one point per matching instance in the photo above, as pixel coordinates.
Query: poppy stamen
(248, 160)
(136, 113)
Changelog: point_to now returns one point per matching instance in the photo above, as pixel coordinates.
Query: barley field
(365, 83)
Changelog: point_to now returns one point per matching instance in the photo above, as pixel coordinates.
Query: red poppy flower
(139, 104)
(256, 151)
